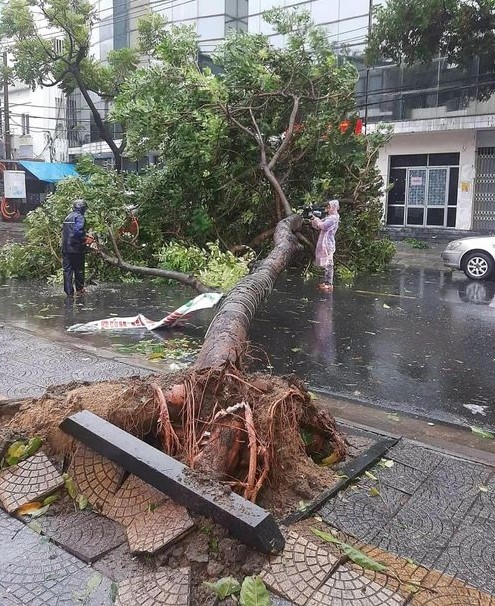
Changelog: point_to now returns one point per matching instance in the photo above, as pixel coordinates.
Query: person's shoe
(326, 287)
(80, 293)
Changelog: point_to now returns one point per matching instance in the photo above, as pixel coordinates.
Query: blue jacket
(73, 233)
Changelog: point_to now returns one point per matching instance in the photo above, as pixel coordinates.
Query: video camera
(309, 212)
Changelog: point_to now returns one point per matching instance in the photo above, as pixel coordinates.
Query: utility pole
(366, 98)
(6, 110)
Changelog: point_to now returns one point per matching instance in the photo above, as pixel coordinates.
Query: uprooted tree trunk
(239, 428)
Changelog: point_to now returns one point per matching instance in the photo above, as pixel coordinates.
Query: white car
(474, 256)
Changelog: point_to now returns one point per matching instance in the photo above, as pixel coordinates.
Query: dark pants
(73, 266)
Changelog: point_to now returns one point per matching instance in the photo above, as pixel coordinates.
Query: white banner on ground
(204, 301)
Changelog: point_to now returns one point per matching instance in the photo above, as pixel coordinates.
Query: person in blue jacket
(74, 249)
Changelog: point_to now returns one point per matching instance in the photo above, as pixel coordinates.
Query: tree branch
(187, 279)
(104, 132)
(288, 136)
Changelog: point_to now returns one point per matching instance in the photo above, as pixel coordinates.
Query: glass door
(416, 196)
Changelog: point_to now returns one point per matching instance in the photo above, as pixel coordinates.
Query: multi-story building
(117, 28)
(441, 157)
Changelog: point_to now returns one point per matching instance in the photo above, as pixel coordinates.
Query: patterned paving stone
(347, 587)
(96, 477)
(401, 477)
(153, 530)
(45, 575)
(419, 535)
(299, 571)
(134, 497)
(415, 456)
(460, 474)
(29, 480)
(84, 533)
(166, 587)
(443, 590)
(470, 554)
(15, 538)
(360, 514)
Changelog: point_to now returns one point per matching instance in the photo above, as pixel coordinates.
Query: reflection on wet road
(412, 340)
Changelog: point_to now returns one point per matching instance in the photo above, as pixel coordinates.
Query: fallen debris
(203, 301)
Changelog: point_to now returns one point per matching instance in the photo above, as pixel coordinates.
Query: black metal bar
(351, 471)
(244, 520)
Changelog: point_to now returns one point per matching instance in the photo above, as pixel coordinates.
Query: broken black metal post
(244, 520)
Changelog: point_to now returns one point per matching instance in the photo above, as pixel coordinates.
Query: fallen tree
(279, 111)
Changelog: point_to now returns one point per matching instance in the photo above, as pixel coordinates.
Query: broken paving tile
(85, 534)
(299, 570)
(119, 564)
(153, 530)
(134, 497)
(28, 481)
(166, 587)
(347, 586)
(96, 478)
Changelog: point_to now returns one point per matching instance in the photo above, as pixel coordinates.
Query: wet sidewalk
(427, 516)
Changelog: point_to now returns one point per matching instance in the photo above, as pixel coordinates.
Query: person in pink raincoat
(325, 247)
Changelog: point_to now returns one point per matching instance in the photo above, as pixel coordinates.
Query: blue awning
(50, 172)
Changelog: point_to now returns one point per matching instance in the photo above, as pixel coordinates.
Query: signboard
(416, 181)
(14, 182)
(465, 187)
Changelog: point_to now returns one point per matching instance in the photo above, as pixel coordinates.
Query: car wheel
(478, 266)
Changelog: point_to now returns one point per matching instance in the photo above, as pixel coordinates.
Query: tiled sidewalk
(29, 364)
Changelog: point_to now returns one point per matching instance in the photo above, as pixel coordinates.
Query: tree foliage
(239, 150)
(408, 31)
(244, 148)
(50, 46)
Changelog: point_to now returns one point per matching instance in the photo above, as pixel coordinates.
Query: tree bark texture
(227, 336)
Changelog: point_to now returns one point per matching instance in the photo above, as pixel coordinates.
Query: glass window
(416, 187)
(443, 159)
(415, 216)
(437, 183)
(397, 195)
(409, 160)
(435, 216)
(395, 215)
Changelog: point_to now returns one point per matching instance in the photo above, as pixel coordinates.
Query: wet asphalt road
(412, 340)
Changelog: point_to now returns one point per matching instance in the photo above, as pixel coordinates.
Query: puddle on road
(413, 340)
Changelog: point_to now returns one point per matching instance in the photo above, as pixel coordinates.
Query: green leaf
(374, 492)
(393, 417)
(114, 591)
(483, 489)
(371, 476)
(82, 501)
(326, 536)
(35, 526)
(224, 587)
(487, 435)
(93, 583)
(361, 559)
(70, 486)
(385, 463)
(51, 499)
(254, 592)
(40, 512)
